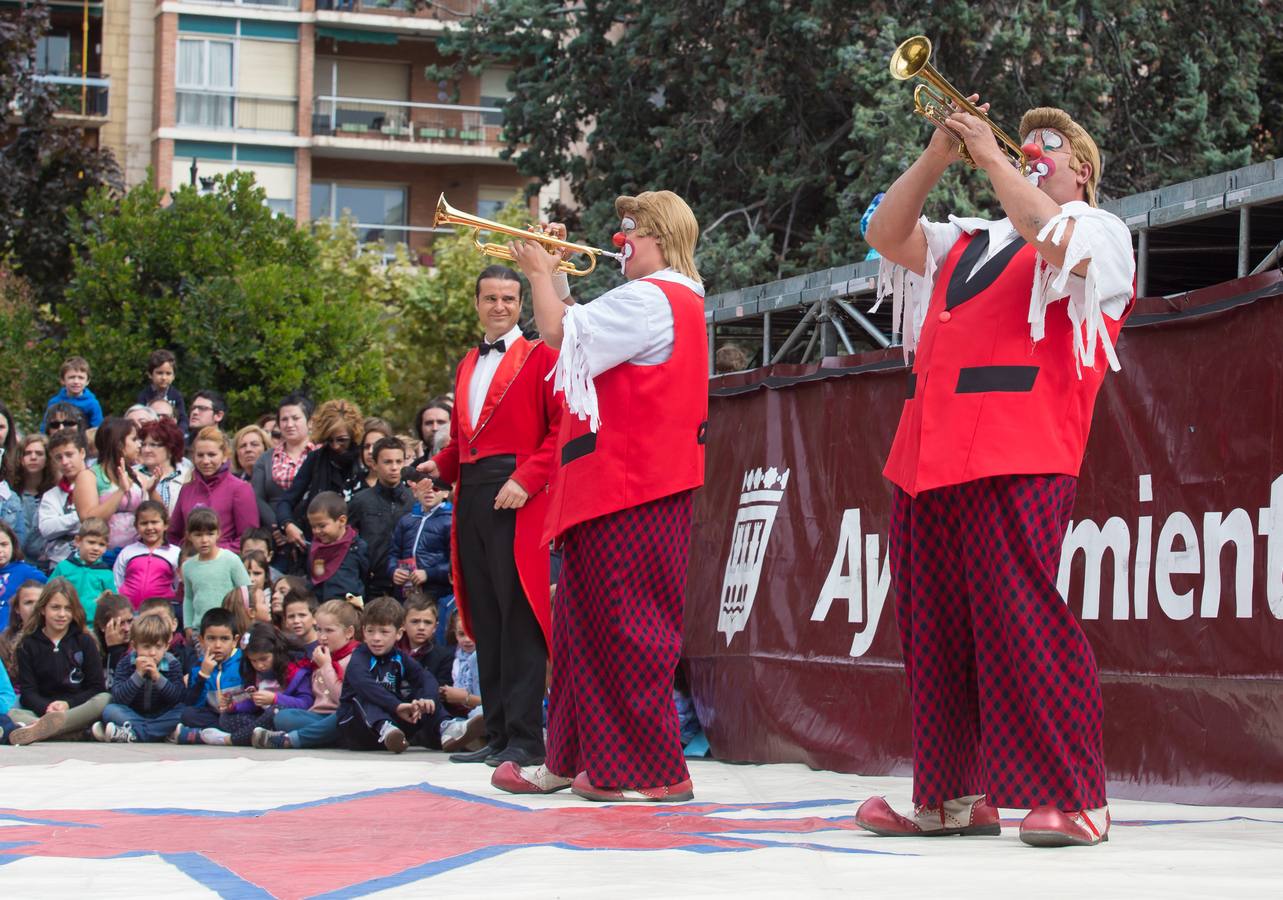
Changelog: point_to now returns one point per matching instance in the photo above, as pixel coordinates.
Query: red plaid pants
(1003, 684)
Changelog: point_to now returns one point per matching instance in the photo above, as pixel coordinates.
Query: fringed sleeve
(910, 295)
(1094, 238)
(572, 374)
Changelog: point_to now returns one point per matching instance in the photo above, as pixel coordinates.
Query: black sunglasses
(61, 423)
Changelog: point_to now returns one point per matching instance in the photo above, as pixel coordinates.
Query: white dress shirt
(483, 374)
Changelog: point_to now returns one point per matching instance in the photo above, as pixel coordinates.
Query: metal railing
(277, 4)
(79, 95)
(217, 110)
(442, 9)
(408, 122)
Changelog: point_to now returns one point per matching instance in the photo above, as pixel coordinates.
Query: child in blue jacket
(388, 699)
(214, 685)
(147, 690)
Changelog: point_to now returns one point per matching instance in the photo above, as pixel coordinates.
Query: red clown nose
(618, 238)
(1031, 151)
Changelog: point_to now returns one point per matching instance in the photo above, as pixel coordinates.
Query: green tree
(436, 320)
(778, 121)
(47, 168)
(252, 305)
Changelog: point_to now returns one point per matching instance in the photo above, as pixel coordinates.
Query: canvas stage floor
(80, 820)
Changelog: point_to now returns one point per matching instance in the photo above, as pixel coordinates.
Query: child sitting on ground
(420, 637)
(59, 667)
(85, 568)
(388, 699)
(211, 573)
(147, 690)
(466, 731)
(211, 686)
(278, 683)
(337, 624)
(112, 622)
(149, 566)
(8, 700)
(337, 557)
(178, 646)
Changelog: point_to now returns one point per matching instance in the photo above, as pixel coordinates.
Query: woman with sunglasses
(335, 465)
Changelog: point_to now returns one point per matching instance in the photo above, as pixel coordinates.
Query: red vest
(983, 398)
(650, 440)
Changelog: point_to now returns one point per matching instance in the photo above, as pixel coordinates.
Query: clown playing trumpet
(1011, 324)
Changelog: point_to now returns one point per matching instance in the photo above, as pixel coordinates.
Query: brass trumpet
(932, 100)
(448, 215)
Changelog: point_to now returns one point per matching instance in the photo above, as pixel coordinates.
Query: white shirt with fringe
(632, 323)
(1105, 290)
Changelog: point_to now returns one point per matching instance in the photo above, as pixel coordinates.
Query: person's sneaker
(456, 735)
(44, 727)
(99, 731)
(1047, 826)
(184, 735)
(514, 779)
(393, 738)
(666, 793)
(266, 739)
(120, 734)
(968, 816)
(215, 736)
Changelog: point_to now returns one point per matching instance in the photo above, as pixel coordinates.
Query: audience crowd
(283, 585)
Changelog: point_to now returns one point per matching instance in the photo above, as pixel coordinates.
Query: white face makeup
(1050, 141)
(627, 225)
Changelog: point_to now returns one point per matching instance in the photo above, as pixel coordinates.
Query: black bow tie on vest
(483, 348)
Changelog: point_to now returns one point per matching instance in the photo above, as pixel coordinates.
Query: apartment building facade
(325, 101)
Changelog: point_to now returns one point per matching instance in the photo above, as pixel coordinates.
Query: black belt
(489, 470)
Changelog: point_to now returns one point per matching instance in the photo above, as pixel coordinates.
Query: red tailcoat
(984, 399)
(520, 417)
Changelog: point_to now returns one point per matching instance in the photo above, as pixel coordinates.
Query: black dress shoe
(521, 757)
(476, 756)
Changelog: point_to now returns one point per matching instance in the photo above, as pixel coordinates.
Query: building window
(53, 55)
(379, 210)
(205, 83)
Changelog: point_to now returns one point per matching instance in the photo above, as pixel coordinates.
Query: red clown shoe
(967, 816)
(668, 793)
(1047, 826)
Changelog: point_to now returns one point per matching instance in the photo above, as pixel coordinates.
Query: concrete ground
(91, 820)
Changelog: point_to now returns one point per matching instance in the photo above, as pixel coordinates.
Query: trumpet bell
(910, 57)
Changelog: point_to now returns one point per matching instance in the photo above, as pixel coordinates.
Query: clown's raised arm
(631, 324)
(1084, 254)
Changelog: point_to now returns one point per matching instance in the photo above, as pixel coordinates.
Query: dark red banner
(1173, 561)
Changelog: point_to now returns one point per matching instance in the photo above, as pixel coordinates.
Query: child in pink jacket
(148, 567)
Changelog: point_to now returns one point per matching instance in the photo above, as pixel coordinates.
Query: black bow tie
(483, 348)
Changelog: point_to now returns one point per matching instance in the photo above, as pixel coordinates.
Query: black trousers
(512, 658)
(360, 725)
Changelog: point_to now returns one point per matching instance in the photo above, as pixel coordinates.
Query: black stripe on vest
(1005, 379)
(913, 386)
(962, 285)
(581, 446)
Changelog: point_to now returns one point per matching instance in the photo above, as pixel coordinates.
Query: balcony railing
(216, 110)
(407, 122)
(445, 9)
(84, 96)
(276, 4)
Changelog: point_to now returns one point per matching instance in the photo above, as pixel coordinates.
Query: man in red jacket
(634, 371)
(502, 438)
(1013, 324)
